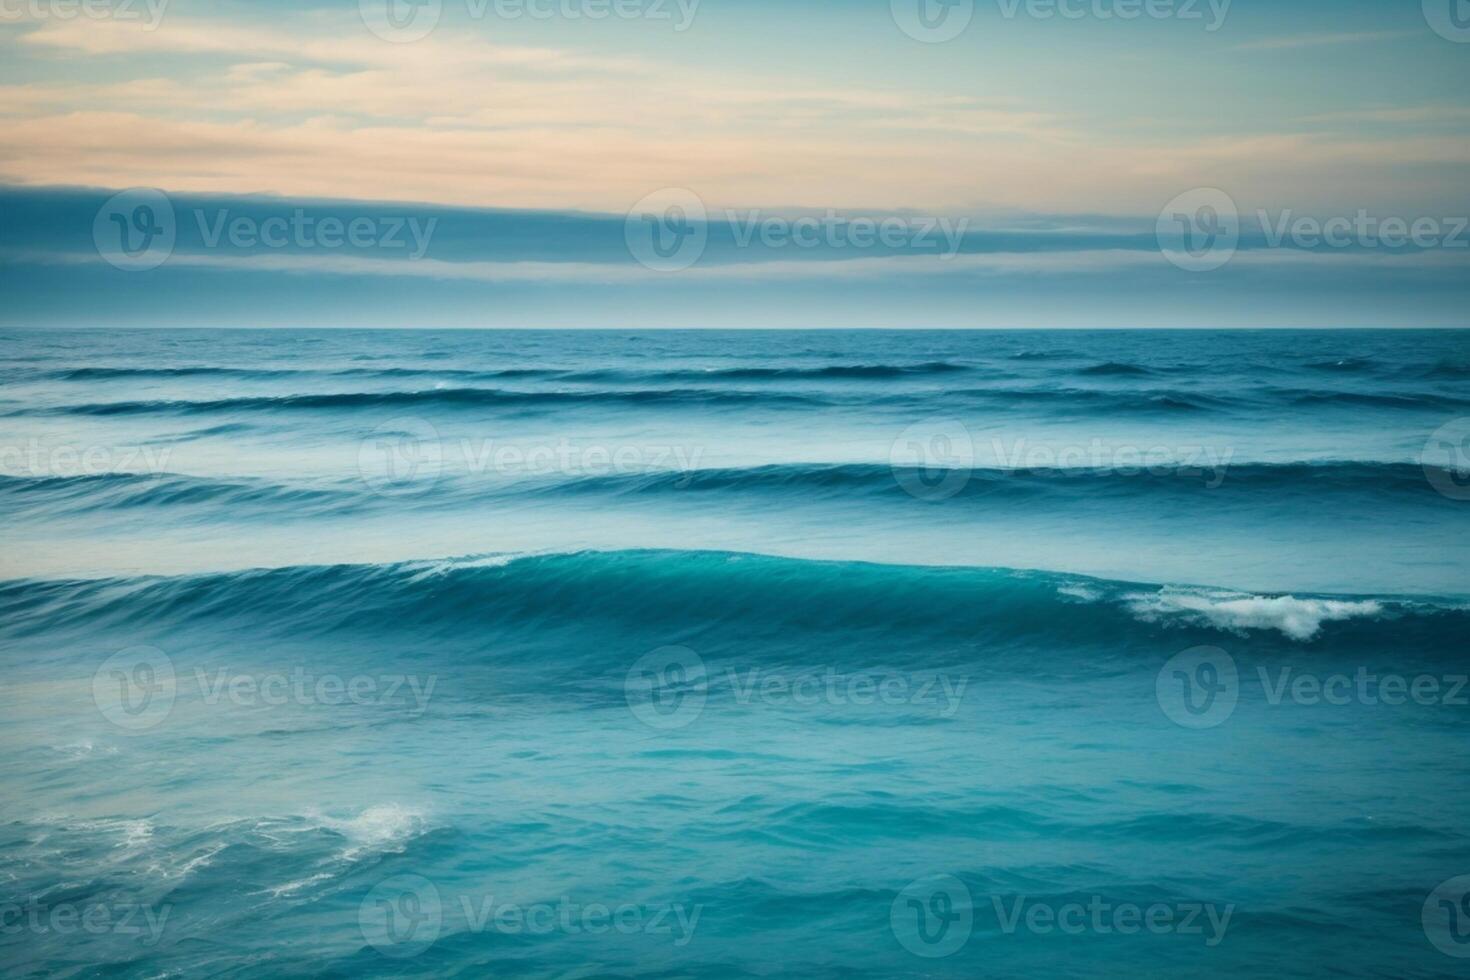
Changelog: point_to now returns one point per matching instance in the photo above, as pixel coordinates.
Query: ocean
(734, 654)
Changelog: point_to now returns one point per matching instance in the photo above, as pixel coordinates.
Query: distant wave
(429, 398)
(1135, 402)
(1086, 483)
(1449, 370)
(693, 388)
(828, 371)
(1216, 481)
(104, 492)
(441, 373)
(1419, 402)
(1443, 370)
(1115, 369)
(1346, 365)
(267, 374)
(115, 373)
(1040, 355)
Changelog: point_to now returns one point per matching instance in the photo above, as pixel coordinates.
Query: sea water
(734, 654)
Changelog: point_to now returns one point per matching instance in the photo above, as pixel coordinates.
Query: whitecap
(1299, 619)
(383, 828)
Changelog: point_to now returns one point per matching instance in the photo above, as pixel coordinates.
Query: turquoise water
(734, 654)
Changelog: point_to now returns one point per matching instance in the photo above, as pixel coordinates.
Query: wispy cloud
(1404, 115)
(1070, 262)
(1321, 40)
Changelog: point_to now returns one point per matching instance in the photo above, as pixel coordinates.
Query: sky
(725, 163)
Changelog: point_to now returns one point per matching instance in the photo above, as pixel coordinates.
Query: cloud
(1069, 262)
(1401, 115)
(313, 106)
(1321, 40)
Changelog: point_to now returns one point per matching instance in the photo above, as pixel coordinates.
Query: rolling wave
(690, 594)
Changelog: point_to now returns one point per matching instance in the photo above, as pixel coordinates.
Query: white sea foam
(77, 751)
(133, 832)
(291, 887)
(443, 566)
(136, 832)
(1299, 619)
(383, 828)
(201, 860)
(1082, 592)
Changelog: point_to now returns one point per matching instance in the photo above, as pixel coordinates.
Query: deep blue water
(734, 654)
